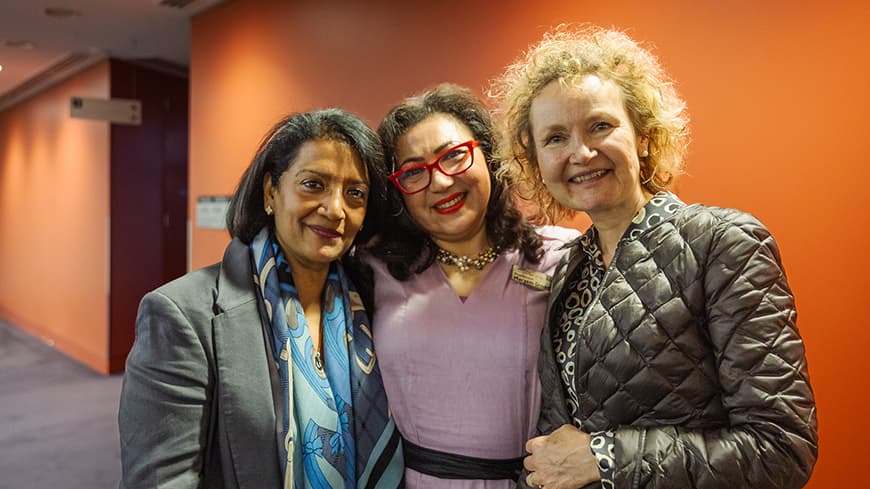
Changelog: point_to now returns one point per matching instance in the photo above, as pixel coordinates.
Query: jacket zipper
(596, 298)
(582, 327)
(637, 459)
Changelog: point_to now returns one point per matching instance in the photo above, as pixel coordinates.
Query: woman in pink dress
(461, 285)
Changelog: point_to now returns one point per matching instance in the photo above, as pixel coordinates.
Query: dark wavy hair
(246, 214)
(402, 245)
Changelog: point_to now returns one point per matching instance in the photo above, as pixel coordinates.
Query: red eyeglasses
(451, 162)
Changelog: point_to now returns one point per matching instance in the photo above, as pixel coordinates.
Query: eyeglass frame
(436, 163)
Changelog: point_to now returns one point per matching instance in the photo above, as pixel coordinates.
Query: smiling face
(319, 204)
(587, 149)
(450, 209)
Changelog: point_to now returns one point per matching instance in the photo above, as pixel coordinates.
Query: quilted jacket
(691, 354)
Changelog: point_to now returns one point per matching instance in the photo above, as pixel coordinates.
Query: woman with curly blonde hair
(670, 355)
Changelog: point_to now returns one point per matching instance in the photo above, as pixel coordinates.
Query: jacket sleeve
(164, 417)
(771, 440)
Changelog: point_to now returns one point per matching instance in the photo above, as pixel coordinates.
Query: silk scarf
(336, 430)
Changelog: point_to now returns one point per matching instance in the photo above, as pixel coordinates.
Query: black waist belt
(451, 466)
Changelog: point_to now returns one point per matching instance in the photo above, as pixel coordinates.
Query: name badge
(531, 278)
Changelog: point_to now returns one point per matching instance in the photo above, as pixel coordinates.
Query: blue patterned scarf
(336, 428)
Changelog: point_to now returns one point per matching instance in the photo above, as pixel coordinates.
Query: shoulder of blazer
(220, 287)
(235, 282)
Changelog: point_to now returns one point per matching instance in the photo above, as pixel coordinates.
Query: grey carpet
(58, 418)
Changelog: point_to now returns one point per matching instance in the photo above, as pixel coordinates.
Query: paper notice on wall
(211, 211)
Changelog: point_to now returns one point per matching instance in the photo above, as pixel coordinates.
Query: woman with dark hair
(461, 283)
(258, 371)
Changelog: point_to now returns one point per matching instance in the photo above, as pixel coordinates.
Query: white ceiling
(126, 29)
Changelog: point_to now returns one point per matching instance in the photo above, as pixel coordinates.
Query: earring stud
(269, 210)
(645, 153)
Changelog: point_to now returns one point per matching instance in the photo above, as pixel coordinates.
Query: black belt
(451, 466)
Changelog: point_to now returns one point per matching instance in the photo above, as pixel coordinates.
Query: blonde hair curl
(567, 54)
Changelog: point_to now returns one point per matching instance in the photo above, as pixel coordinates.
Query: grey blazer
(197, 405)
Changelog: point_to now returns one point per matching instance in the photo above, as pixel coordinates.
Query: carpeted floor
(58, 418)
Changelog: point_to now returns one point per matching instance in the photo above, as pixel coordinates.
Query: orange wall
(54, 209)
(776, 90)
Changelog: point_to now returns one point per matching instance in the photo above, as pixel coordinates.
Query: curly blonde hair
(567, 54)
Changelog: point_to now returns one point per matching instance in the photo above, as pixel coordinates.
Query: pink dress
(461, 377)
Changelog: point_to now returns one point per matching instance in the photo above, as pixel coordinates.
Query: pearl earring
(645, 153)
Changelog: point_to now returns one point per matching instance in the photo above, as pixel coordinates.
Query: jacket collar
(235, 281)
(660, 208)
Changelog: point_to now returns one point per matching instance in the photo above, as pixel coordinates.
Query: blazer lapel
(245, 385)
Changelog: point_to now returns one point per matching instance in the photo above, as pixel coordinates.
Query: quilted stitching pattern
(692, 354)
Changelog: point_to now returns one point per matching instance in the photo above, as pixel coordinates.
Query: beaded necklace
(465, 262)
